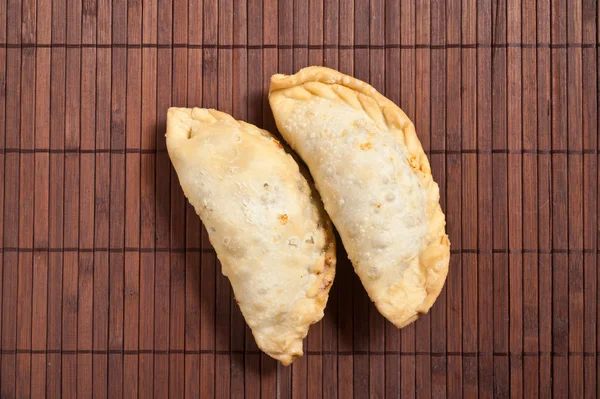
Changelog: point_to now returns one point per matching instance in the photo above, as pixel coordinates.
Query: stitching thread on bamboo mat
(114, 250)
(429, 152)
(81, 151)
(309, 353)
(572, 251)
(304, 46)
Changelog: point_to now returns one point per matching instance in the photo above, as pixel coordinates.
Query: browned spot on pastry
(412, 161)
(283, 218)
(277, 143)
(366, 146)
(377, 204)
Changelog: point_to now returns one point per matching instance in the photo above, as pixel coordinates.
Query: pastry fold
(375, 182)
(265, 221)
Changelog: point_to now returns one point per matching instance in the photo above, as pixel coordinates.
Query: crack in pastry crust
(265, 220)
(318, 107)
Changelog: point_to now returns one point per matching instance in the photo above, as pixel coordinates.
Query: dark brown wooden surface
(109, 286)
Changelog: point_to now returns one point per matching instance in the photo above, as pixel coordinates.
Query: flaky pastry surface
(266, 223)
(375, 182)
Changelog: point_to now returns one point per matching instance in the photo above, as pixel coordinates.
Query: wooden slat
(485, 291)
(26, 204)
(515, 198)
(590, 200)
(193, 229)
(437, 104)
(422, 120)
(57, 142)
(3, 126)
(118, 193)
(469, 217)
(407, 101)
(162, 267)
(285, 36)
(544, 197)
(8, 372)
(560, 201)
(454, 171)
(26, 211)
(102, 200)
(575, 198)
(148, 113)
(85, 319)
(41, 202)
(500, 206)
(530, 274)
(393, 92)
(132, 204)
(70, 269)
(178, 214)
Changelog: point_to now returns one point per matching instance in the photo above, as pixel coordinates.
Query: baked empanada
(375, 182)
(265, 221)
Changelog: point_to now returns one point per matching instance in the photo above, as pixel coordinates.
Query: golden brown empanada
(266, 222)
(375, 182)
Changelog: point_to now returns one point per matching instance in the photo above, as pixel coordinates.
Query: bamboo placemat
(110, 286)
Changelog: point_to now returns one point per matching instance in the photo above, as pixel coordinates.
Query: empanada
(265, 221)
(375, 182)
